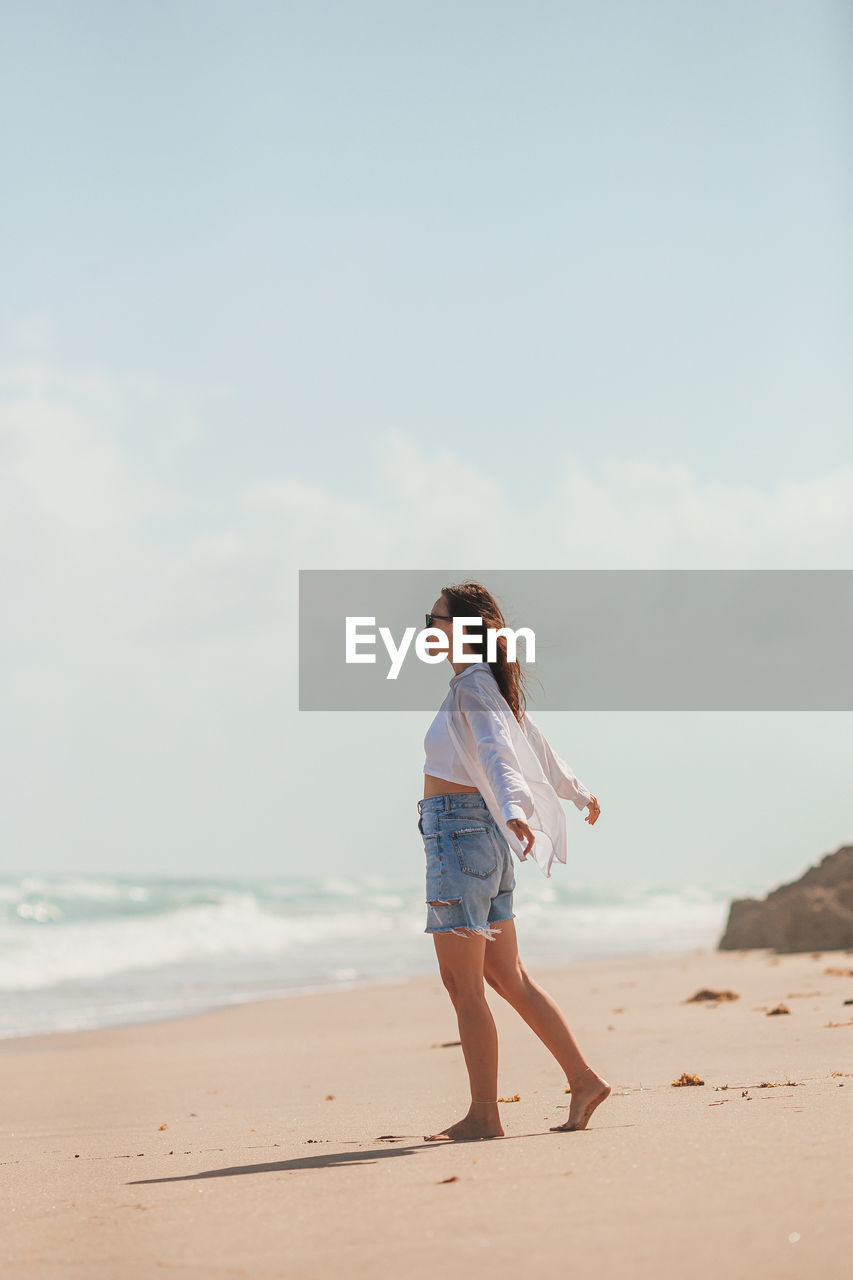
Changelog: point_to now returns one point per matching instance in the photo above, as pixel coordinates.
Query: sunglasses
(444, 617)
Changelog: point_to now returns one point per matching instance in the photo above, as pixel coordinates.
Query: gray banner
(606, 640)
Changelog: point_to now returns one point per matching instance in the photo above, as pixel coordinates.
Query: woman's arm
(561, 777)
(495, 751)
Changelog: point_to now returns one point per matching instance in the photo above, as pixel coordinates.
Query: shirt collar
(465, 671)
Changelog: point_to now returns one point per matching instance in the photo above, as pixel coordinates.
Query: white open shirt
(511, 764)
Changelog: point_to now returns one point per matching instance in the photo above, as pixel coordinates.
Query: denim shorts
(468, 865)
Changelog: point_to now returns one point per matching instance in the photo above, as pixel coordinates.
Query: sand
(285, 1138)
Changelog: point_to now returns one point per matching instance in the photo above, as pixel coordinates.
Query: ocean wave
(79, 951)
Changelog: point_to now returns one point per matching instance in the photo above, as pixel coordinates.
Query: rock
(814, 913)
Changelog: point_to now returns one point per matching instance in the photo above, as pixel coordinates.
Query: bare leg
(461, 963)
(505, 972)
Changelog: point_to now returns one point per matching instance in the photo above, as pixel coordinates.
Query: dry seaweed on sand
(765, 1084)
(706, 993)
(780, 1008)
(686, 1078)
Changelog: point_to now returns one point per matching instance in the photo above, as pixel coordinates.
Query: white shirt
(476, 740)
(442, 758)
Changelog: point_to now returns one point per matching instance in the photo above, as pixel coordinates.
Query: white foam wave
(31, 958)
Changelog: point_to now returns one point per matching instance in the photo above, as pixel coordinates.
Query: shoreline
(284, 1137)
(355, 985)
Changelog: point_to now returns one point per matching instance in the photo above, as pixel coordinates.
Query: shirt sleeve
(496, 752)
(561, 777)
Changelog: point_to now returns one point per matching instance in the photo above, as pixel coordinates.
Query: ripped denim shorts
(469, 871)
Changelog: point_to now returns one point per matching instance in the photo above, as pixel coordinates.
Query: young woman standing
(482, 735)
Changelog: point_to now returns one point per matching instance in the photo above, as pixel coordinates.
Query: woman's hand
(523, 832)
(594, 811)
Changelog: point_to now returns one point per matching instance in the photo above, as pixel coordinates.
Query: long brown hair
(473, 600)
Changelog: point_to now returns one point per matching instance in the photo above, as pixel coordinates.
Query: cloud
(149, 648)
(99, 550)
(634, 514)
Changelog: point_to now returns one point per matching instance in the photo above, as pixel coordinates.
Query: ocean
(83, 951)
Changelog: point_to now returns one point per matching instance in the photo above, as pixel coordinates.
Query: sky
(372, 285)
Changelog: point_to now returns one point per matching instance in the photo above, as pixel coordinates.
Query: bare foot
(479, 1123)
(588, 1092)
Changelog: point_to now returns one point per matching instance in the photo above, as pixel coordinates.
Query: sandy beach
(286, 1138)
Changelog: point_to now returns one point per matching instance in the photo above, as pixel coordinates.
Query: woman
(469, 866)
